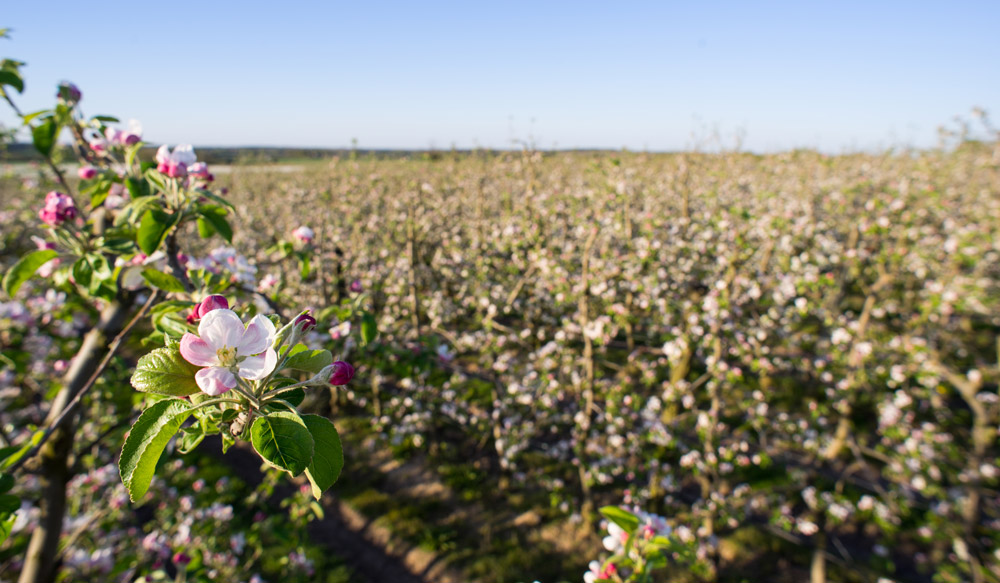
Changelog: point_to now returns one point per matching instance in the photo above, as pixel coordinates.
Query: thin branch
(65, 414)
(48, 158)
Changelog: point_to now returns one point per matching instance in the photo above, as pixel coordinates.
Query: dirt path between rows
(372, 551)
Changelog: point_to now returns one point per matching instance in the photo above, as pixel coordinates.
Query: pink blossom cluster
(176, 163)
(58, 209)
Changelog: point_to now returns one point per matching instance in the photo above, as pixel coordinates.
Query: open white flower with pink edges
(226, 349)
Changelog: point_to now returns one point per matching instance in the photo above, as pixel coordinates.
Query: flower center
(226, 356)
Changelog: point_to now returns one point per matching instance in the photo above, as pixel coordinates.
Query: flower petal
(258, 336)
(163, 154)
(214, 380)
(221, 329)
(197, 351)
(258, 367)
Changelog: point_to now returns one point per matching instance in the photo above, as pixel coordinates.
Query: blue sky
(642, 75)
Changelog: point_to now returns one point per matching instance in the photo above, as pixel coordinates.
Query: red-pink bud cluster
(207, 305)
(342, 373)
(174, 163)
(69, 93)
(58, 209)
(86, 172)
(305, 322)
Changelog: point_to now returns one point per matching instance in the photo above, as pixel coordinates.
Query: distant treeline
(23, 152)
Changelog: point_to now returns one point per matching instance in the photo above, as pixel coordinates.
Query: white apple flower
(226, 348)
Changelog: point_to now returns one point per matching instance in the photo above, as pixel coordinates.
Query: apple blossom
(596, 572)
(86, 172)
(227, 349)
(58, 209)
(304, 234)
(199, 169)
(176, 162)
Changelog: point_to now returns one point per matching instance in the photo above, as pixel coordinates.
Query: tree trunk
(40, 564)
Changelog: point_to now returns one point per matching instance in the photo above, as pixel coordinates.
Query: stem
(48, 157)
(275, 393)
(246, 392)
(285, 403)
(204, 404)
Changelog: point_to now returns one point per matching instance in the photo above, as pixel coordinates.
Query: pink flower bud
(212, 303)
(68, 93)
(305, 322)
(181, 559)
(342, 373)
(162, 167)
(356, 286)
(176, 169)
(86, 172)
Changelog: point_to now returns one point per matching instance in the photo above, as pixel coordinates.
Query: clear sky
(642, 75)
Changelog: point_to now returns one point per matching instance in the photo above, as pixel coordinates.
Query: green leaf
(205, 228)
(190, 440)
(12, 454)
(106, 118)
(328, 457)
(9, 503)
(171, 325)
(171, 306)
(6, 526)
(82, 272)
(119, 246)
(98, 196)
(161, 280)
(216, 216)
(302, 358)
(44, 135)
(136, 208)
(146, 441)
(283, 441)
(30, 116)
(294, 397)
(136, 188)
(623, 518)
(12, 79)
(165, 372)
(100, 265)
(369, 329)
(152, 228)
(6, 482)
(214, 197)
(25, 268)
